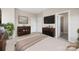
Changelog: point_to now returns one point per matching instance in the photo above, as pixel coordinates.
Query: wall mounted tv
(49, 19)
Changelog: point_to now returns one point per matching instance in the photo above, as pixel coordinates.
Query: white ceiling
(33, 10)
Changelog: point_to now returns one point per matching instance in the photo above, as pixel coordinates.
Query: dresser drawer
(23, 30)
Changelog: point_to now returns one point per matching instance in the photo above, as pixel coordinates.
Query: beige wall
(8, 15)
(73, 25)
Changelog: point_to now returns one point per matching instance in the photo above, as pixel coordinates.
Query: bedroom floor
(56, 44)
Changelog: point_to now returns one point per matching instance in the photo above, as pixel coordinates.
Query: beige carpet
(46, 45)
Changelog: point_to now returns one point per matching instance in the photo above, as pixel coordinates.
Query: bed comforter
(25, 43)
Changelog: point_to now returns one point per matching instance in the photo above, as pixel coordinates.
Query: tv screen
(49, 19)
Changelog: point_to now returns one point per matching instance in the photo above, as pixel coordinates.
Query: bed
(40, 42)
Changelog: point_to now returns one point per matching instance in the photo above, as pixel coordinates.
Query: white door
(58, 25)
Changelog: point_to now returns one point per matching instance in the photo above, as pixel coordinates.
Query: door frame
(57, 14)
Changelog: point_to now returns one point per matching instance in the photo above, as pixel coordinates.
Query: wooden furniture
(48, 31)
(2, 42)
(23, 30)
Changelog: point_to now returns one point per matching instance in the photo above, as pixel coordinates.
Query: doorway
(63, 25)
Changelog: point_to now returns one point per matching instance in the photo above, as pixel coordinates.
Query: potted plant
(2, 28)
(9, 28)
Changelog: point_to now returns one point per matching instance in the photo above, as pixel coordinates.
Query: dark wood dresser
(23, 30)
(2, 42)
(48, 31)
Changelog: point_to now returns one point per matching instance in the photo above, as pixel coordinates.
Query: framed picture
(22, 20)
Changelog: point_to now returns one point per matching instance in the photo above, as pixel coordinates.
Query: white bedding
(48, 44)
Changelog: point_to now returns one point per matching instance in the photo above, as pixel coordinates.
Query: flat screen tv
(49, 19)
